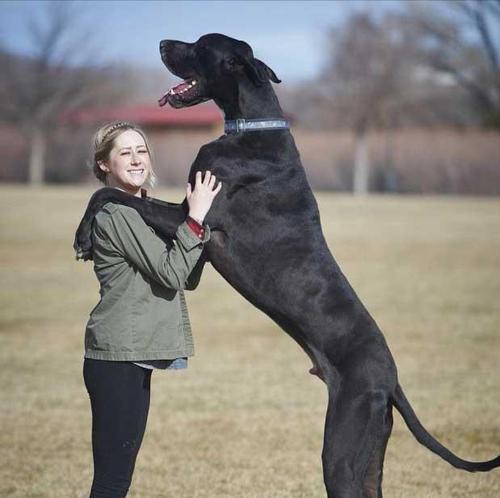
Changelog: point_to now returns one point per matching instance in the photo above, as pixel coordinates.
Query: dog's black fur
(268, 244)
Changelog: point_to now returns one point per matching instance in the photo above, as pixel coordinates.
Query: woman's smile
(137, 174)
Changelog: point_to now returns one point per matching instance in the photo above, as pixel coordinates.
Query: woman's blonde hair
(103, 142)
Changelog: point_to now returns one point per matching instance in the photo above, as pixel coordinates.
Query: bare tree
(460, 39)
(35, 90)
(368, 81)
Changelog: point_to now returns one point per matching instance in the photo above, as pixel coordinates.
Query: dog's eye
(232, 61)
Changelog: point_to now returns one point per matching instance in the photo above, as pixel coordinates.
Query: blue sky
(288, 36)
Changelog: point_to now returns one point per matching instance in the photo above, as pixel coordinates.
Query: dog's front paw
(83, 248)
(83, 237)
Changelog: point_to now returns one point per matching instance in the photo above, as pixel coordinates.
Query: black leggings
(119, 395)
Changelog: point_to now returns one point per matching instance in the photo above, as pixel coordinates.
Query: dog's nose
(163, 44)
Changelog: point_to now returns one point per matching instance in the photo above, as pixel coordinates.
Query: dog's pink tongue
(173, 91)
(163, 100)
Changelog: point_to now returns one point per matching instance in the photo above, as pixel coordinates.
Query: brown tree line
(430, 63)
(63, 73)
(426, 64)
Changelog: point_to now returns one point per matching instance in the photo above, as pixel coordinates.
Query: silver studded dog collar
(243, 125)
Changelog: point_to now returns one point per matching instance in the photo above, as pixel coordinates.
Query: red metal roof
(200, 115)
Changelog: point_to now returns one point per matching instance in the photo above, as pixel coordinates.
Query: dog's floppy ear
(268, 71)
(259, 72)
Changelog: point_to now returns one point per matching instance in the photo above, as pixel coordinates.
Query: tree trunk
(389, 170)
(361, 164)
(38, 148)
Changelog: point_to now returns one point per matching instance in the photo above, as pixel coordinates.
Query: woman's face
(129, 164)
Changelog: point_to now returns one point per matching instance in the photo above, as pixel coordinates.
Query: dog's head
(211, 68)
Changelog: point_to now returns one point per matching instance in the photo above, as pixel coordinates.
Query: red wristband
(195, 227)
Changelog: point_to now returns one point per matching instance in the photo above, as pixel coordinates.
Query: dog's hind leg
(372, 481)
(356, 431)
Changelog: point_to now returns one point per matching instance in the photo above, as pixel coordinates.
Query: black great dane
(268, 244)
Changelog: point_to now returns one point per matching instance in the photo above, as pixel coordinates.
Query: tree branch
(483, 29)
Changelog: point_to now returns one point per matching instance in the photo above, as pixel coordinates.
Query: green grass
(246, 419)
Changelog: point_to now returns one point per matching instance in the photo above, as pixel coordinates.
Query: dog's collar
(243, 125)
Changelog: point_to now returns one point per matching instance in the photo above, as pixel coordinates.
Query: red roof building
(200, 116)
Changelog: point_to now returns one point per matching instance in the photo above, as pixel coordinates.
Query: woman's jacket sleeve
(127, 233)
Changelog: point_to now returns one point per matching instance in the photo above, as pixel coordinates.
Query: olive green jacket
(142, 313)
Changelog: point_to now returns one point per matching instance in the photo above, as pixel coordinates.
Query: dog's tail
(424, 438)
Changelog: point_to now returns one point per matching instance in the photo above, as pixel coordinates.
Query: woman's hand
(200, 199)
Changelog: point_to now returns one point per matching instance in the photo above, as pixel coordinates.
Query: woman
(141, 321)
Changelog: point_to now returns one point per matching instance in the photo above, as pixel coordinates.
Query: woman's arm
(194, 277)
(122, 229)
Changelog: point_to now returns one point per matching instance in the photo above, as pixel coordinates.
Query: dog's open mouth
(182, 94)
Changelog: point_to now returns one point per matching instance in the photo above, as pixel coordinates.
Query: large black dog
(268, 244)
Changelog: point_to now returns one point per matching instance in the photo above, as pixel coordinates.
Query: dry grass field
(246, 419)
